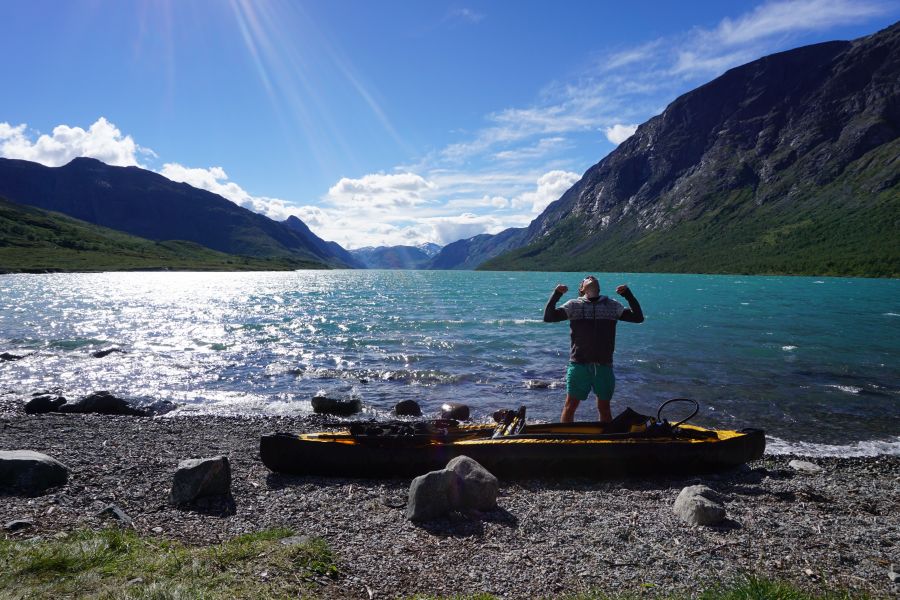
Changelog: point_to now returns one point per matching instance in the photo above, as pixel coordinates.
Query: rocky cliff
(788, 164)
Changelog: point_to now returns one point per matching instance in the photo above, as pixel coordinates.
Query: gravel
(837, 528)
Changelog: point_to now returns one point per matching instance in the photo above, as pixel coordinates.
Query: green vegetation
(747, 588)
(34, 240)
(117, 563)
(842, 229)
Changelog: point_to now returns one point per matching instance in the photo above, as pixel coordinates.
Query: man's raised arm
(551, 313)
(633, 313)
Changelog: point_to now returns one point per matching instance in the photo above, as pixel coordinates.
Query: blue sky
(376, 122)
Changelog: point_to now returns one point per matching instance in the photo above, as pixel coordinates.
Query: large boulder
(324, 405)
(699, 505)
(30, 472)
(463, 485)
(103, 403)
(197, 478)
(477, 486)
(454, 410)
(44, 403)
(433, 495)
(408, 408)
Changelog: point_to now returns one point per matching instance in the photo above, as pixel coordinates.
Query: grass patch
(746, 588)
(118, 564)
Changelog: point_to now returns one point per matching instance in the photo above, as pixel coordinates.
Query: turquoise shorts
(581, 378)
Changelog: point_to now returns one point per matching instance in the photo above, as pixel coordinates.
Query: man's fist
(623, 290)
(562, 289)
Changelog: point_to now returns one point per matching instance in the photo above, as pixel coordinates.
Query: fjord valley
(785, 165)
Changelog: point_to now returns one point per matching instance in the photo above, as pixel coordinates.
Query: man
(592, 319)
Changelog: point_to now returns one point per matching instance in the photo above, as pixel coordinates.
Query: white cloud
(215, 180)
(777, 18)
(485, 202)
(379, 190)
(618, 133)
(102, 141)
(543, 147)
(466, 225)
(630, 56)
(550, 186)
(767, 27)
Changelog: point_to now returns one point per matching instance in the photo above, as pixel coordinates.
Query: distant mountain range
(397, 257)
(788, 164)
(150, 206)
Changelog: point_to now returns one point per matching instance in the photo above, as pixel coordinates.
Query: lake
(813, 361)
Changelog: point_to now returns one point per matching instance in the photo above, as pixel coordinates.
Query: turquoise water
(812, 360)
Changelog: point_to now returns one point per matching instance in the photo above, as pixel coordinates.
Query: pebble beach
(839, 528)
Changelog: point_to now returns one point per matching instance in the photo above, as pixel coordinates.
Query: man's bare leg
(603, 409)
(569, 408)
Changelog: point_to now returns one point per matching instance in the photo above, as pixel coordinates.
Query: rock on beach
(324, 405)
(44, 403)
(30, 472)
(432, 495)
(699, 505)
(197, 478)
(455, 410)
(407, 408)
(804, 466)
(463, 485)
(103, 403)
(478, 487)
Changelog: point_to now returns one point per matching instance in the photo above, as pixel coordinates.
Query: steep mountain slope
(470, 253)
(392, 257)
(148, 205)
(788, 164)
(32, 239)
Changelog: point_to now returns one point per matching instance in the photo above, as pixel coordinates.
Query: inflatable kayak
(632, 444)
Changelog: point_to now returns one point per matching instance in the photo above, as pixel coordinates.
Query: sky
(376, 122)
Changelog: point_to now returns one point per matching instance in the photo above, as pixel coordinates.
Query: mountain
(34, 240)
(392, 257)
(148, 205)
(332, 249)
(788, 164)
(429, 248)
(472, 252)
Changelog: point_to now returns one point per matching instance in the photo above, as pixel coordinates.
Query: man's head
(589, 287)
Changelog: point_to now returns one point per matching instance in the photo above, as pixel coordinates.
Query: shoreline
(327, 267)
(548, 537)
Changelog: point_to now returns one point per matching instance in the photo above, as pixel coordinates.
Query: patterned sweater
(593, 324)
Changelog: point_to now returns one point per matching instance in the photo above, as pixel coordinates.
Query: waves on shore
(889, 447)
